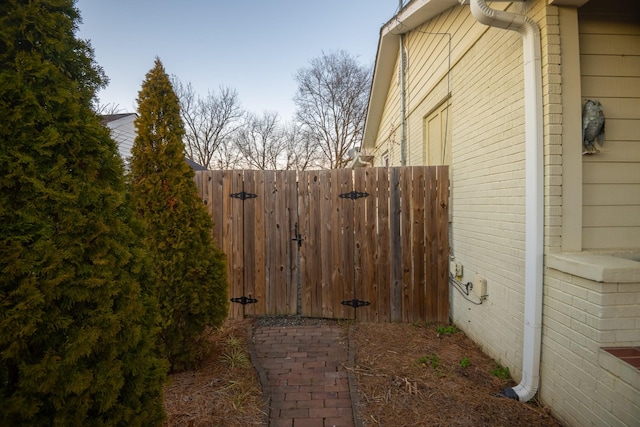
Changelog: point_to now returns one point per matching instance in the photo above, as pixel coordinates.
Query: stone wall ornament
(592, 127)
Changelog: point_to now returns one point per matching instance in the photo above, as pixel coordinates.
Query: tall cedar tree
(77, 345)
(190, 271)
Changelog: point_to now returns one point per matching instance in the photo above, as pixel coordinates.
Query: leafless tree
(209, 121)
(301, 150)
(261, 142)
(227, 156)
(331, 103)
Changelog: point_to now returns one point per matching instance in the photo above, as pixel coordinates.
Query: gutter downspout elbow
(534, 191)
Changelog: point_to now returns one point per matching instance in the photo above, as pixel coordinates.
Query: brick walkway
(303, 375)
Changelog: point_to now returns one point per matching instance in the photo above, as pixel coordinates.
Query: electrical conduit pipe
(534, 192)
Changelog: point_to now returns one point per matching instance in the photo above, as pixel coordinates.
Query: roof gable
(414, 14)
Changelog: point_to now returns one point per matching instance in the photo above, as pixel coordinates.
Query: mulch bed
(406, 375)
(411, 375)
(224, 391)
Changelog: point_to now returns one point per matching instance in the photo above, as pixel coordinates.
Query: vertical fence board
(236, 242)
(358, 219)
(306, 250)
(418, 311)
(281, 230)
(291, 212)
(260, 238)
(383, 246)
(369, 275)
(337, 274)
(324, 256)
(319, 303)
(395, 211)
(249, 241)
(359, 257)
(226, 203)
(212, 195)
(405, 231)
(271, 243)
(442, 206)
(431, 235)
(347, 245)
(313, 247)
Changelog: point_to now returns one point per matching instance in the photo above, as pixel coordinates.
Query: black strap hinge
(244, 300)
(355, 303)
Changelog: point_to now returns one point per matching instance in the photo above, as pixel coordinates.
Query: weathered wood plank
(442, 206)
(307, 260)
(369, 276)
(260, 238)
(337, 273)
(236, 244)
(431, 237)
(281, 236)
(383, 246)
(395, 210)
(418, 311)
(405, 224)
(313, 247)
(212, 195)
(347, 248)
(291, 213)
(360, 249)
(271, 243)
(324, 256)
(249, 242)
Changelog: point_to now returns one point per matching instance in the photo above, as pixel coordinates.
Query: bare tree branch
(262, 142)
(302, 151)
(209, 121)
(107, 109)
(332, 102)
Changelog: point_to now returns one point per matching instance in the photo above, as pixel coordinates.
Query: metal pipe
(403, 106)
(534, 191)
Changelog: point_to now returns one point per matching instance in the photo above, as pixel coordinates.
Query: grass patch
(465, 362)
(501, 372)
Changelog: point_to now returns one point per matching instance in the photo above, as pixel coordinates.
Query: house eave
(413, 15)
(571, 3)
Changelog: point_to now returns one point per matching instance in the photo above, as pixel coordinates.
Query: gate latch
(298, 236)
(355, 303)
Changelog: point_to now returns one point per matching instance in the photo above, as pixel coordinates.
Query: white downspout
(403, 105)
(534, 191)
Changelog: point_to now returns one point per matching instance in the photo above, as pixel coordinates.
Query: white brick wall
(580, 383)
(584, 385)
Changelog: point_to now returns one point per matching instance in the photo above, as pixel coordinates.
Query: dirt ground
(433, 375)
(406, 375)
(224, 392)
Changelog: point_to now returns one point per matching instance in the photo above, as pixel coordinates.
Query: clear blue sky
(253, 46)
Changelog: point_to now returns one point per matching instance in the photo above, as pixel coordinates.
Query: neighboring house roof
(123, 131)
(195, 166)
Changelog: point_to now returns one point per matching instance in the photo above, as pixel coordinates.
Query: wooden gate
(368, 243)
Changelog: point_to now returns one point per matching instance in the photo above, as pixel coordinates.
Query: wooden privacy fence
(370, 243)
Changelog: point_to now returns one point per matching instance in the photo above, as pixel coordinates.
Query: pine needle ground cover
(406, 375)
(224, 390)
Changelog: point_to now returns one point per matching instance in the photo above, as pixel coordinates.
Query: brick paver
(306, 379)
